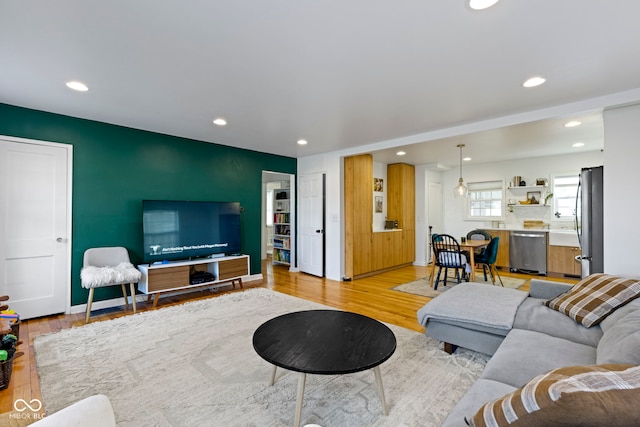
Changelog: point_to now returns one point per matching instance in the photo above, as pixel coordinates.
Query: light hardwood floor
(370, 296)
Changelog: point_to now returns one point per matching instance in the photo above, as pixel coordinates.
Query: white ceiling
(340, 74)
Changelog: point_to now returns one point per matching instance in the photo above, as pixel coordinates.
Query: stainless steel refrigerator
(589, 220)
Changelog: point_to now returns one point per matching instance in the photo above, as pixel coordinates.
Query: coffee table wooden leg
(376, 371)
(301, 382)
(273, 375)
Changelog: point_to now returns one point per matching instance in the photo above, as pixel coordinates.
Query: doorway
(434, 213)
(279, 213)
(35, 226)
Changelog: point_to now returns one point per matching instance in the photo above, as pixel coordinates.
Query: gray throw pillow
(621, 342)
(622, 312)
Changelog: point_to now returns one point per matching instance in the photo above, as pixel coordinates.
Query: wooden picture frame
(378, 185)
(378, 203)
(534, 197)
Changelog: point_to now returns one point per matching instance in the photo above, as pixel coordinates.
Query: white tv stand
(174, 276)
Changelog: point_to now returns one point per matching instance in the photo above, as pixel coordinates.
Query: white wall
(621, 200)
(455, 221)
(423, 177)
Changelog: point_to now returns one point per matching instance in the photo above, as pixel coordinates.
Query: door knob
(59, 240)
(319, 231)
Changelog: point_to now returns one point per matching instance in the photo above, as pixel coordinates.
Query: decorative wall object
(378, 203)
(378, 184)
(534, 197)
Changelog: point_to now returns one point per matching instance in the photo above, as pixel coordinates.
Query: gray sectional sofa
(528, 340)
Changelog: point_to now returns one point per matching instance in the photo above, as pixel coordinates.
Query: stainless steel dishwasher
(528, 251)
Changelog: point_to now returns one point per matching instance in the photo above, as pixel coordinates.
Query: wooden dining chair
(448, 255)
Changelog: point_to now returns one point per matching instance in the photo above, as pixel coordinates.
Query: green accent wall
(115, 168)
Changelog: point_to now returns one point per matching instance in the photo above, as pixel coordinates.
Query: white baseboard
(116, 302)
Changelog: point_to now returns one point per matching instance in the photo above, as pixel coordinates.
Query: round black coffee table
(324, 342)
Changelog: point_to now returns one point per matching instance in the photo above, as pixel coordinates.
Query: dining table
(470, 245)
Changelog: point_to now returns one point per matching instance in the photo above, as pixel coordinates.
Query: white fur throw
(96, 277)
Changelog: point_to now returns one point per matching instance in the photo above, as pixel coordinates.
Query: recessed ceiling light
(534, 81)
(219, 121)
(79, 86)
(400, 153)
(481, 4)
(578, 144)
(302, 142)
(467, 159)
(572, 123)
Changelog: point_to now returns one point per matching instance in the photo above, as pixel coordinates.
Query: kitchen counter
(551, 230)
(557, 236)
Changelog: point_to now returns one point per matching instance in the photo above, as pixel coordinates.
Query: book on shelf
(282, 243)
(282, 229)
(281, 255)
(281, 218)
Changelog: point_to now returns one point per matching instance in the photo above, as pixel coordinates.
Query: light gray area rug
(194, 364)
(423, 287)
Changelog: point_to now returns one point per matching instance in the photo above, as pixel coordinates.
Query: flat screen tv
(181, 230)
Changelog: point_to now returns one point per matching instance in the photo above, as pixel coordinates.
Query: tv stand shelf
(175, 276)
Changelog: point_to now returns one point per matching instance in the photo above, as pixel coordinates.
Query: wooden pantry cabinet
(401, 205)
(387, 249)
(367, 252)
(358, 200)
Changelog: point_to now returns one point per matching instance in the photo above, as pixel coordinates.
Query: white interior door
(311, 223)
(34, 226)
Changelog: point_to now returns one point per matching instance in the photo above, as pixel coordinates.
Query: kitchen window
(486, 200)
(565, 188)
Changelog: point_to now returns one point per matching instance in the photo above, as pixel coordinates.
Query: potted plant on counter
(547, 197)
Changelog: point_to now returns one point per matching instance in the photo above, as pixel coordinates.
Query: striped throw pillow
(571, 396)
(595, 297)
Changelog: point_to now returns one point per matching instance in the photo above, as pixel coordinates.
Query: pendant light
(461, 189)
